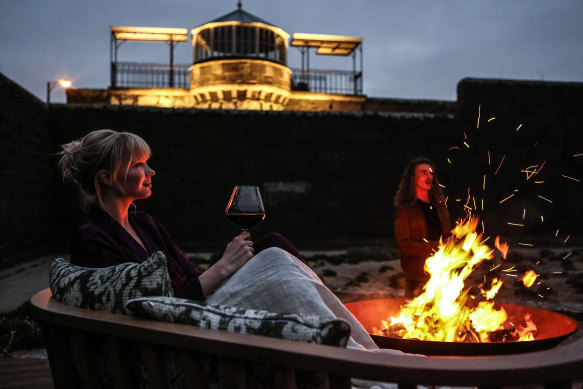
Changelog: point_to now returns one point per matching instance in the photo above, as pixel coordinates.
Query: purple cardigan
(103, 242)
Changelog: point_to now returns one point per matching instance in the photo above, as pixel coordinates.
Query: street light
(52, 84)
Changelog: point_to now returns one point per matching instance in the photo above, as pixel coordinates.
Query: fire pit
(552, 328)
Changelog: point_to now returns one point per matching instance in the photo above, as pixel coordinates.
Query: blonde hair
(406, 193)
(81, 160)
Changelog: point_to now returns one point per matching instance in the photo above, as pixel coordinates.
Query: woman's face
(138, 180)
(423, 177)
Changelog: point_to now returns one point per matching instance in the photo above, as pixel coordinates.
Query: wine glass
(245, 208)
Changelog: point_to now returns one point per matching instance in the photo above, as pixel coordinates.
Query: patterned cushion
(303, 328)
(109, 288)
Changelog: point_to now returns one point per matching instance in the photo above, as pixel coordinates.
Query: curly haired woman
(421, 219)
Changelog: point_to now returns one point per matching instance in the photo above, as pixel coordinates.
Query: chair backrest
(122, 335)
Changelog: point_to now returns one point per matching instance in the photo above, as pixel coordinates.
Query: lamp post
(52, 84)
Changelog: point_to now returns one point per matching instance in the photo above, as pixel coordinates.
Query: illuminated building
(239, 62)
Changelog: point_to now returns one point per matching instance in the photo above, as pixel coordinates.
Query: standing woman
(421, 219)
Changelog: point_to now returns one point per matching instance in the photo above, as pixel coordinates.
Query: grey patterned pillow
(303, 328)
(109, 288)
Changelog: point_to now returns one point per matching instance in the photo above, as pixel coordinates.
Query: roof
(327, 44)
(149, 33)
(239, 15)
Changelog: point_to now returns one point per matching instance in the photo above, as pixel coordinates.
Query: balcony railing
(344, 82)
(154, 75)
(149, 75)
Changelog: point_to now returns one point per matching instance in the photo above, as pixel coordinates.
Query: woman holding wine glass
(111, 171)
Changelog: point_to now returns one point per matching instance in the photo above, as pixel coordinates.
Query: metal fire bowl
(552, 328)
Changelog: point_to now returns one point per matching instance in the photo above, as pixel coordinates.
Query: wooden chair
(64, 325)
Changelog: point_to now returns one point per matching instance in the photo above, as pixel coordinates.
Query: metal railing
(344, 82)
(149, 75)
(156, 75)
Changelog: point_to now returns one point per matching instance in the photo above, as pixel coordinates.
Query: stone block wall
(25, 175)
(325, 176)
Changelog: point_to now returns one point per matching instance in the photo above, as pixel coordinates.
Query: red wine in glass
(245, 207)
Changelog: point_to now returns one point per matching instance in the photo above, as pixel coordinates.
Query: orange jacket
(411, 235)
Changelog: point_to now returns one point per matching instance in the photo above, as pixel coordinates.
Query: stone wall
(324, 176)
(327, 178)
(25, 175)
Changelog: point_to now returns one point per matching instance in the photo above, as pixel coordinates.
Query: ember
(443, 312)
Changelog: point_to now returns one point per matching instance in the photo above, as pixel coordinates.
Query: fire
(529, 278)
(443, 312)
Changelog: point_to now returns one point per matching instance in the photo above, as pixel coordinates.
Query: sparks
(491, 119)
(529, 278)
(519, 127)
(467, 145)
(541, 166)
(504, 156)
(544, 198)
(507, 198)
(495, 267)
(526, 244)
(570, 178)
(567, 238)
(479, 113)
(523, 213)
(578, 155)
(484, 183)
(542, 219)
(443, 186)
(449, 161)
(483, 229)
(454, 148)
(515, 224)
(557, 233)
(488, 157)
(567, 256)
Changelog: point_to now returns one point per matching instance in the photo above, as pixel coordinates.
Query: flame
(529, 278)
(442, 312)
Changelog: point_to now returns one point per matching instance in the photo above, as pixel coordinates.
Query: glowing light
(570, 178)
(504, 156)
(529, 278)
(479, 113)
(440, 313)
(507, 198)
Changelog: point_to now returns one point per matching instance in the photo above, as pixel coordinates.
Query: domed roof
(239, 15)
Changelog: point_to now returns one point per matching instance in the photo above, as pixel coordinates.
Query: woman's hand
(237, 253)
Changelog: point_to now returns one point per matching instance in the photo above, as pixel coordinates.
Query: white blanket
(276, 281)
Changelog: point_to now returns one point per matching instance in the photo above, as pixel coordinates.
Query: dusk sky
(412, 49)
